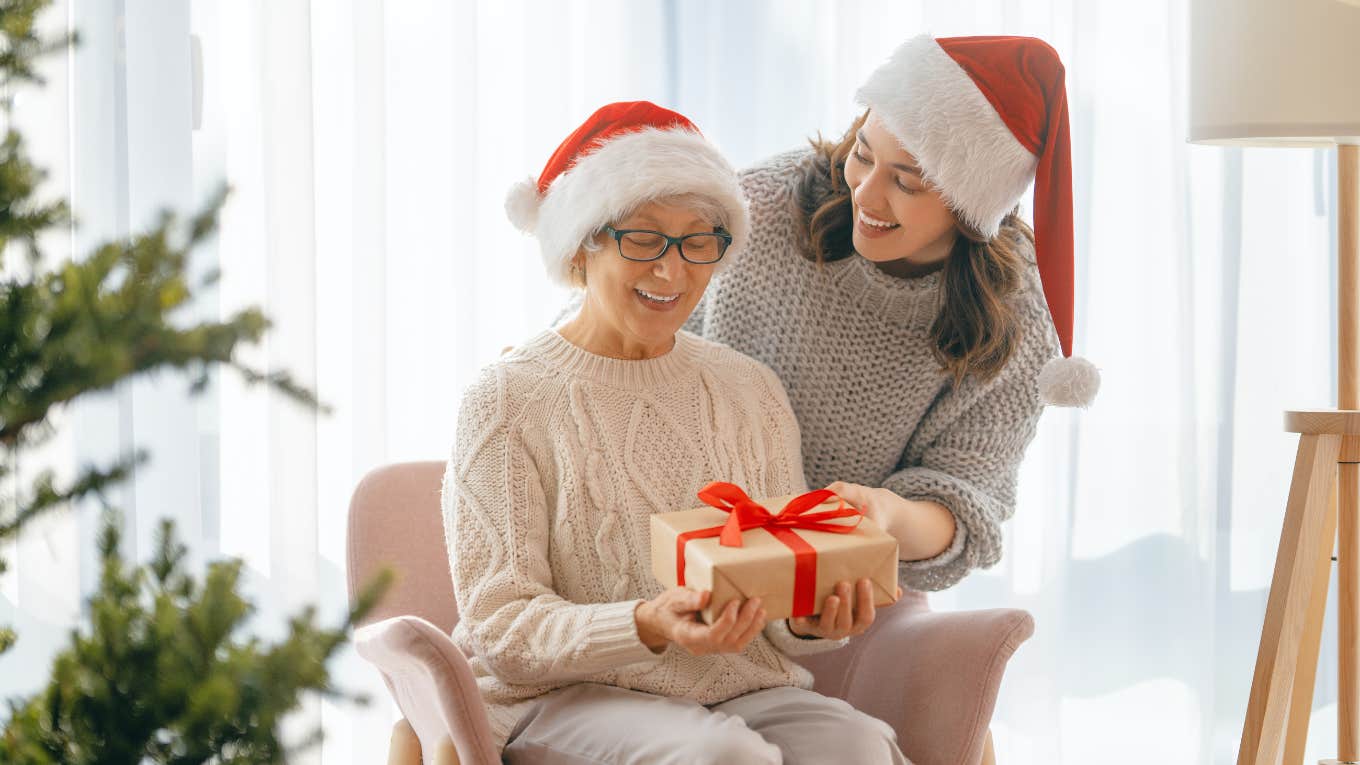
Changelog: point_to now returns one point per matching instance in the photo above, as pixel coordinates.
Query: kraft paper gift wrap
(834, 541)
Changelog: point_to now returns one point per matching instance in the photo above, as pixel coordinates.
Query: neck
(903, 268)
(926, 260)
(588, 332)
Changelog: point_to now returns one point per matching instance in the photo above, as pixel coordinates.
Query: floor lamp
(1287, 73)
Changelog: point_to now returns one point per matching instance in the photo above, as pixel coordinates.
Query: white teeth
(658, 298)
(875, 222)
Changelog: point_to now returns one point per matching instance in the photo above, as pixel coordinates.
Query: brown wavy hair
(977, 328)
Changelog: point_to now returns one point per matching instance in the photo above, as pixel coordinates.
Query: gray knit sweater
(852, 346)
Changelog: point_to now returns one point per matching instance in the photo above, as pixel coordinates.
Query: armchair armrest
(432, 684)
(933, 676)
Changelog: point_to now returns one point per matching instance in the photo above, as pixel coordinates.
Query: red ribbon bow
(745, 513)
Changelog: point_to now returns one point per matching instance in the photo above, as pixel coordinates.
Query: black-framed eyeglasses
(642, 245)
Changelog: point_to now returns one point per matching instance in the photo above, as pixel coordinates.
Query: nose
(869, 193)
(670, 264)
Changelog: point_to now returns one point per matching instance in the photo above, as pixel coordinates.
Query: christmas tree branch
(15, 512)
(162, 675)
(161, 671)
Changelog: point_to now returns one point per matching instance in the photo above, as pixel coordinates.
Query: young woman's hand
(837, 620)
(882, 506)
(673, 616)
(923, 529)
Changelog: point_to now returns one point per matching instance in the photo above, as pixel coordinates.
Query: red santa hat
(624, 155)
(985, 117)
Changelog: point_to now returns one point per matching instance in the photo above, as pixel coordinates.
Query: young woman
(909, 311)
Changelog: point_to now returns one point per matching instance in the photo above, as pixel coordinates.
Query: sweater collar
(913, 302)
(561, 355)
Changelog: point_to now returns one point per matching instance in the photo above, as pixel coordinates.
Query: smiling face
(633, 309)
(899, 219)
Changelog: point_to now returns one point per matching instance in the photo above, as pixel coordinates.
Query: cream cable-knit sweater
(561, 456)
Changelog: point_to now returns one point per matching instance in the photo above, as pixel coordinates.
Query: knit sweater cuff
(779, 635)
(611, 638)
(954, 562)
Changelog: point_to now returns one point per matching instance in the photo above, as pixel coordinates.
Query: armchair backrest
(395, 521)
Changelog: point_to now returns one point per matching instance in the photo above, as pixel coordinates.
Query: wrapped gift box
(833, 540)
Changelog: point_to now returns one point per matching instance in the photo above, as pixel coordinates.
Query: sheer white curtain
(369, 143)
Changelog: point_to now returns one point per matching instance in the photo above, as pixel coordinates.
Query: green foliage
(162, 673)
(22, 218)
(161, 676)
(90, 323)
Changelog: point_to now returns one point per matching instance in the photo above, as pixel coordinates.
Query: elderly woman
(567, 444)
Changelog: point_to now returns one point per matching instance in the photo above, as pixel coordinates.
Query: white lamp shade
(1275, 72)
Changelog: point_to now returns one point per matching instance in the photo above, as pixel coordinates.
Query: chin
(878, 251)
(655, 329)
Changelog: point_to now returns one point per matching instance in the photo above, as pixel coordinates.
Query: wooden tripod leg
(1348, 397)
(1290, 588)
(1348, 609)
(1305, 672)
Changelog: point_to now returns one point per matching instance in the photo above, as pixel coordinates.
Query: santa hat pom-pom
(1069, 382)
(521, 205)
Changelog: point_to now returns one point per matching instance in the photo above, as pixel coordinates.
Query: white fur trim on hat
(621, 174)
(521, 205)
(1069, 382)
(964, 148)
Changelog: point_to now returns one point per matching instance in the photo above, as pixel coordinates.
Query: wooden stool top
(1340, 422)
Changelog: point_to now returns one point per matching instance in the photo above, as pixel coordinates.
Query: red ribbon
(745, 513)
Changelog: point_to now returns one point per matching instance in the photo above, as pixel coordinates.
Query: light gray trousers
(590, 723)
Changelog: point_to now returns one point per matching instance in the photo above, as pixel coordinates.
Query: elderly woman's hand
(673, 616)
(837, 619)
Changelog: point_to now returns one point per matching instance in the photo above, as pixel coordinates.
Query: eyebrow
(914, 170)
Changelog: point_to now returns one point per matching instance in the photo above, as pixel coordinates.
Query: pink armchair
(933, 676)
